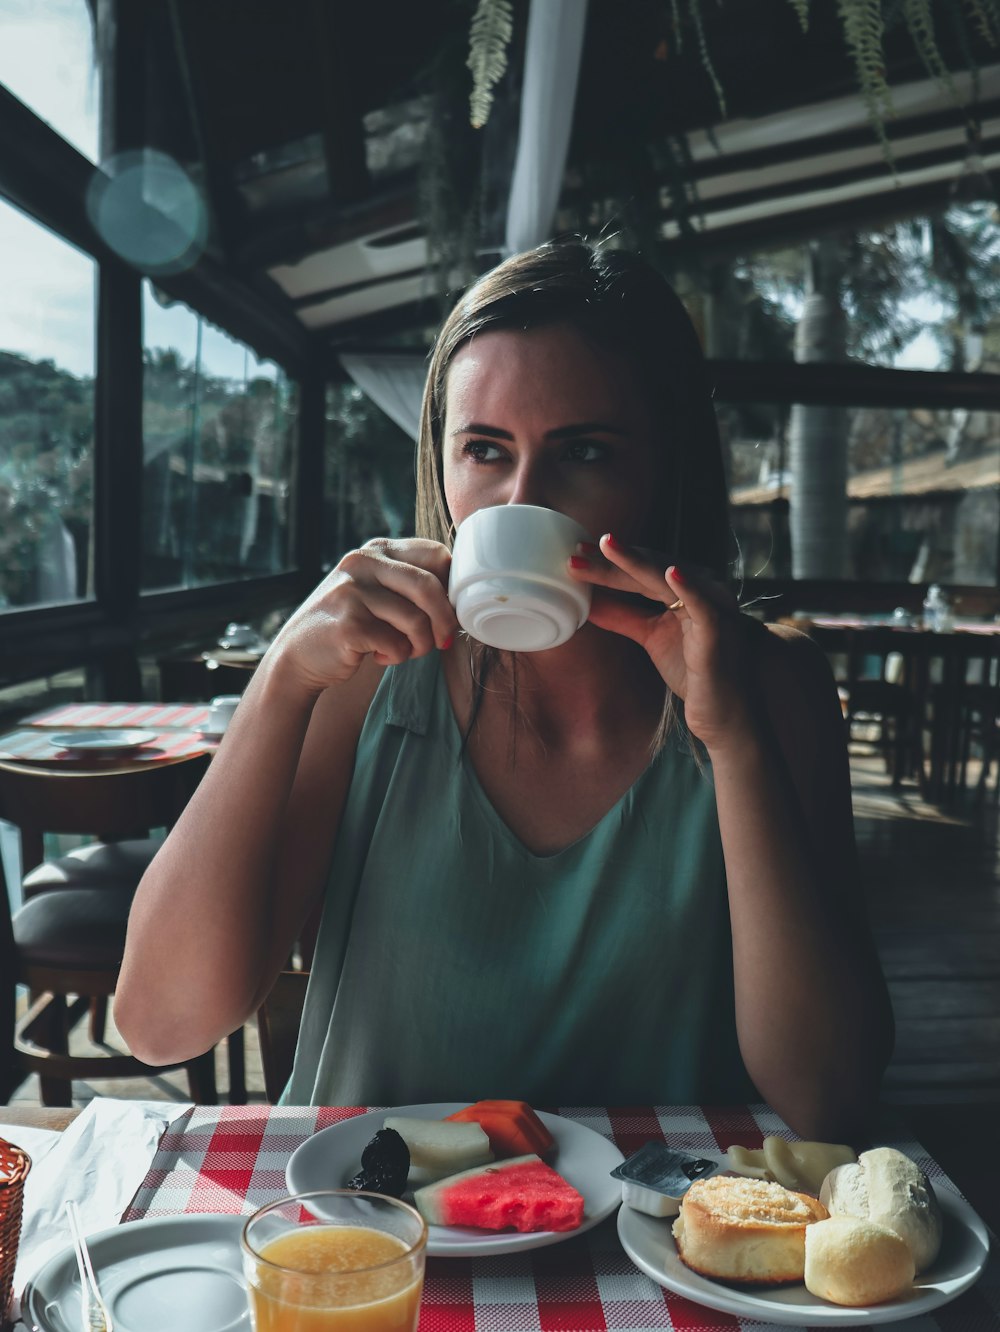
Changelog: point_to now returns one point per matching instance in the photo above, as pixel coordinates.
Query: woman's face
(545, 417)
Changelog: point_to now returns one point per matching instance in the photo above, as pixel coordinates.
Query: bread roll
(746, 1230)
(887, 1187)
(856, 1263)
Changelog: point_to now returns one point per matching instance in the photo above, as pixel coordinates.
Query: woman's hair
(617, 301)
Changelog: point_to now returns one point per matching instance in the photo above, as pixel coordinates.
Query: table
(176, 725)
(947, 675)
(232, 1159)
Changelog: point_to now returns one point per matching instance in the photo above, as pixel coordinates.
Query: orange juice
(315, 1284)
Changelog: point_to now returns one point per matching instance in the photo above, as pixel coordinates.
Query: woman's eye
(481, 450)
(585, 450)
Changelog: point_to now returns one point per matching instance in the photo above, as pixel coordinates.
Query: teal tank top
(453, 964)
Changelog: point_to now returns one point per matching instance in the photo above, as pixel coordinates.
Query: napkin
(99, 1161)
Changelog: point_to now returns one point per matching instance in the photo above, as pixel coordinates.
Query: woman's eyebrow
(560, 432)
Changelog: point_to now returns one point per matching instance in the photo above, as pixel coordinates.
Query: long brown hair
(619, 302)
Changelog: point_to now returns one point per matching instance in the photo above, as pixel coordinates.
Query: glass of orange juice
(336, 1259)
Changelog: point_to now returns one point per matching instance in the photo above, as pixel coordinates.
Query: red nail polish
(613, 542)
(447, 642)
(579, 562)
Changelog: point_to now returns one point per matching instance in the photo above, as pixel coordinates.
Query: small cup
(339, 1258)
(509, 583)
(239, 636)
(220, 711)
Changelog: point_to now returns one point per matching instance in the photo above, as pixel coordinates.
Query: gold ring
(676, 605)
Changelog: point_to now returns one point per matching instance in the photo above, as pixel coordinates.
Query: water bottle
(937, 610)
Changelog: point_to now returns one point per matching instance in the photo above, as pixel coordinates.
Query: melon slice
(520, 1194)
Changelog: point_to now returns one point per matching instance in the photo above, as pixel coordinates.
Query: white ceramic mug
(220, 711)
(509, 583)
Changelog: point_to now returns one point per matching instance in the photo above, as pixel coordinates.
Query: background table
(232, 1159)
(176, 726)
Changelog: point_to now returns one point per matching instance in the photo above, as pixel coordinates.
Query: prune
(385, 1164)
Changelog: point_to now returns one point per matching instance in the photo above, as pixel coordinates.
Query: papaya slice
(512, 1127)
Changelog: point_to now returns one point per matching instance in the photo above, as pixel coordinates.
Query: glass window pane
(921, 294)
(369, 485)
(219, 434)
(47, 319)
(922, 492)
(47, 60)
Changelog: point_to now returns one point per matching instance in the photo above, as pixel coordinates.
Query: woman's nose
(528, 488)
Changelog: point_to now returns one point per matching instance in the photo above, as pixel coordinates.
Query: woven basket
(14, 1167)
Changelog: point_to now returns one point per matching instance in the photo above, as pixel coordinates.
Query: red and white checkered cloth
(165, 716)
(233, 1158)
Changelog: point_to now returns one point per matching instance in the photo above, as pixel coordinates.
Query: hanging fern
(801, 8)
(489, 36)
(986, 18)
(694, 9)
(920, 23)
(862, 23)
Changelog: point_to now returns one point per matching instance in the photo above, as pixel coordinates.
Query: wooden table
(946, 675)
(176, 726)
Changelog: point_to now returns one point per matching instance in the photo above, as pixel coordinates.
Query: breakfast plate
(156, 1275)
(332, 1156)
(101, 742)
(649, 1242)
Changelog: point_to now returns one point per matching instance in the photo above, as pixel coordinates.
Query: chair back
(278, 1020)
(111, 806)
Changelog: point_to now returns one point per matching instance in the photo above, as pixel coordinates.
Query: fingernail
(447, 642)
(676, 574)
(589, 548)
(613, 542)
(579, 562)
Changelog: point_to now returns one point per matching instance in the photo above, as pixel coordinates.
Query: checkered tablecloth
(232, 1159)
(151, 716)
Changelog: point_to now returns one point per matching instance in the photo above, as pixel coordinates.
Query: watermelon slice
(521, 1194)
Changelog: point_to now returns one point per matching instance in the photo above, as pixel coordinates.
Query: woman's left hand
(696, 640)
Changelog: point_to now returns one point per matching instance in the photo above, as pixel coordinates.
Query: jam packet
(655, 1178)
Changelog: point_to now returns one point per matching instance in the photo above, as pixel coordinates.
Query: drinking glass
(332, 1260)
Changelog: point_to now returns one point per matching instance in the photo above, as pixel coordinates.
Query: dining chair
(278, 1021)
(67, 940)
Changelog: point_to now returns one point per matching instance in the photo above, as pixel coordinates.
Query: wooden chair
(66, 942)
(278, 1021)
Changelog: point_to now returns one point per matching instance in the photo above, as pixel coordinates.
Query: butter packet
(655, 1178)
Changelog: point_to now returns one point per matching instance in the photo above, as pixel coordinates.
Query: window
(369, 486)
(923, 492)
(219, 433)
(47, 60)
(47, 320)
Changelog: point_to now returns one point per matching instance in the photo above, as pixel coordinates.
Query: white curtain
(395, 381)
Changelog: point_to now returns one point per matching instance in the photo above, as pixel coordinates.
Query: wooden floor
(932, 876)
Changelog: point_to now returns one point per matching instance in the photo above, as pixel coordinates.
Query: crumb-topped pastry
(746, 1230)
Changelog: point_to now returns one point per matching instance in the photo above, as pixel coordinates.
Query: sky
(47, 287)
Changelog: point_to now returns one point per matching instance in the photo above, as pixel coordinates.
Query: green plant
(489, 37)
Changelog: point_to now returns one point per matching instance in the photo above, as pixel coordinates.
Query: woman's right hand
(387, 601)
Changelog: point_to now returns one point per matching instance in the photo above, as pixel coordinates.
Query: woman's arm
(812, 1010)
(219, 908)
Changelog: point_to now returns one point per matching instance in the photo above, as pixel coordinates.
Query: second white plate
(330, 1157)
(156, 1275)
(649, 1242)
(101, 742)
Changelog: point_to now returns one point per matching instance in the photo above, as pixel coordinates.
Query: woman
(618, 871)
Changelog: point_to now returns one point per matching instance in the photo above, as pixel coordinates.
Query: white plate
(584, 1158)
(649, 1242)
(156, 1275)
(101, 742)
